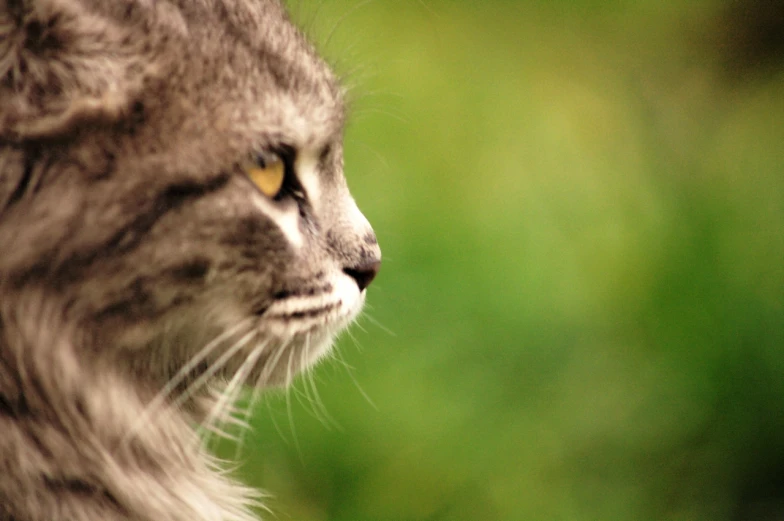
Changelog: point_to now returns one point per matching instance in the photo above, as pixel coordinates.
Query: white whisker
(272, 364)
(289, 377)
(305, 393)
(275, 424)
(378, 324)
(358, 326)
(342, 19)
(232, 390)
(317, 403)
(216, 366)
(354, 340)
(252, 402)
(159, 399)
(350, 370)
(309, 402)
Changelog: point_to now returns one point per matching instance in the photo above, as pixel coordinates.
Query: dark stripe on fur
(310, 313)
(170, 199)
(129, 237)
(15, 408)
(75, 487)
(7, 408)
(29, 179)
(193, 270)
(309, 292)
(138, 300)
(24, 182)
(13, 402)
(139, 303)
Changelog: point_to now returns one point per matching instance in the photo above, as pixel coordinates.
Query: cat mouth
(332, 307)
(284, 322)
(295, 332)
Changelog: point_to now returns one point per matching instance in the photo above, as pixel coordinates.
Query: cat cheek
(285, 218)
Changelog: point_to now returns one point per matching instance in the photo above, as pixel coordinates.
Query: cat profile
(174, 224)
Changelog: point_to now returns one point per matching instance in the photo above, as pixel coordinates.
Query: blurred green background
(581, 310)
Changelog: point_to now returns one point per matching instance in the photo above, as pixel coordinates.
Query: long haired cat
(174, 224)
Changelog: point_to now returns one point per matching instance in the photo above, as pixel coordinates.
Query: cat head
(171, 187)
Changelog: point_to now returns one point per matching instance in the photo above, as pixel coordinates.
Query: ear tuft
(62, 65)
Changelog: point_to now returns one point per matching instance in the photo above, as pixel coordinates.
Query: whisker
(354, 339)
(350, 370)
(179, 377)
(213, 430)
(289, 377)
(325, 418)
(199, 382)
(315, 15)
(252, 402)
(429, 9)
(277, 425)
(342, 19)
(378, 324)
(272, 365)
(186, 369)
(363, 113)
(233, 389)
(314, 405)
(216, 366)
(268, 370)
(305, 393)
(360, 327)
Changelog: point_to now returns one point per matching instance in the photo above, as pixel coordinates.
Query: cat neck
(81, 443)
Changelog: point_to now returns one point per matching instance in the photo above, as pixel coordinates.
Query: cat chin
(280, 369)
(301, 351)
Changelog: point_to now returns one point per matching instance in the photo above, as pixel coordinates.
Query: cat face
(185, 209)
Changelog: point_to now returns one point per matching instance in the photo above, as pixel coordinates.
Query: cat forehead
(281, 87)
(295, 121)
(295, 99)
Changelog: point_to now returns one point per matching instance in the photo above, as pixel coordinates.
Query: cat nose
(364, 273)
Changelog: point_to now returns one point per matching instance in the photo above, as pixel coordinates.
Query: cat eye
(267, 170)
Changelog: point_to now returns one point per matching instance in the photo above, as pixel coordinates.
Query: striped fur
(143, 278)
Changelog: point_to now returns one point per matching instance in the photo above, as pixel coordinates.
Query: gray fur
(140, 269)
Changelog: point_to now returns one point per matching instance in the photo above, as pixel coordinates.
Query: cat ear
(62, 65)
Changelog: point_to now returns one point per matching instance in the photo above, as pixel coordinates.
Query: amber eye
(267, 171)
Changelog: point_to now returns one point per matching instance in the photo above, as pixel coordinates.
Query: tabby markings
(287, 219)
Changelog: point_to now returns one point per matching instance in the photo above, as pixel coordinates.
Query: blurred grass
(581, 306)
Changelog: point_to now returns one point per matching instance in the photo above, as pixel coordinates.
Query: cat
(174, 224)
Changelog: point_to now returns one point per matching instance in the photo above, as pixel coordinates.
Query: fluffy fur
(140, 269)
